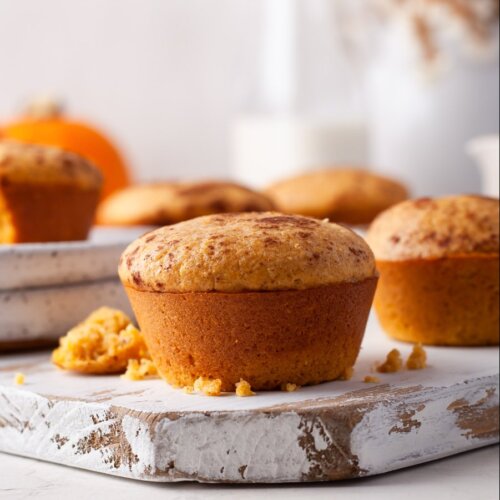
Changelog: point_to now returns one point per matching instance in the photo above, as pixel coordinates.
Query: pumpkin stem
(44, 108)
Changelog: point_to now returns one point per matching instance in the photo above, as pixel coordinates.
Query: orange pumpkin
(44, 123)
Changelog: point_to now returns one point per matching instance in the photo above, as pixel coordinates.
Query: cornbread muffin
(347, 195)
(46, 194)
(438, 262)
(170, 202)
(267, 298)
(104, 342)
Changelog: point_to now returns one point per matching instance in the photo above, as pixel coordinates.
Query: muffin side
(439, 270)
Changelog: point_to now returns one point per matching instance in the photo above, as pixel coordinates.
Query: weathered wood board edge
(362, 433)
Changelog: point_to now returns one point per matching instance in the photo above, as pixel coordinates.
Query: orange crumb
(103, 343)
(208, 386)
(393, 363)
(371, 379)
(139, 369)
(347, 374)
(417, 359)
(288, 387)
(19, 378)
(243, 389)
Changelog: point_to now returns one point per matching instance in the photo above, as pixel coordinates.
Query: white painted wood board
(147, 430)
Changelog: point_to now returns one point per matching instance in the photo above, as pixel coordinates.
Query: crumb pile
(103, 343)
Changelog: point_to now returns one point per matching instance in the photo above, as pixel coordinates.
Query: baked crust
(450, 301)
(171, 202)
(266, 338)
(347, 195)
(246, 252)
(428, 228)
(32, 164)
(46, 194)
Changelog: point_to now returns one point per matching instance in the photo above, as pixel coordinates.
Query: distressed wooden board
(147, 430)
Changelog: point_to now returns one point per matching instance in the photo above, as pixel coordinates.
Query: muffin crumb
(19, 378)
(289, 387)
(371, 379)
(417, 360)
(393, 363)
(347, 374)
(244, 389)
(208, 386)
(139, 369)
(103, 343)
(188, 389)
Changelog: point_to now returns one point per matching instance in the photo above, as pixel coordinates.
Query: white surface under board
(468, 476)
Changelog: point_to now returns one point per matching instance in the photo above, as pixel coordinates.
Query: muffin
(438, 262)
(264, 297)
(170, 202)
(46, 194)
(347, 195)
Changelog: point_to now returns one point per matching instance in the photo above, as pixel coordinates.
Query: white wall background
(166, 78)
(163, 76)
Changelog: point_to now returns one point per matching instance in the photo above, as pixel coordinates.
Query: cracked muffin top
(347, 195)
(436, 228)
(246, 252)
(34, 164)
(170, 202)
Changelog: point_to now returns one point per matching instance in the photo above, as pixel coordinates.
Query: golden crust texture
(34, 165)
(347, 195)
(171, 202)
(435, 228)
(246, 252)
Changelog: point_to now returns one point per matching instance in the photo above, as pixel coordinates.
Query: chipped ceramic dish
(37, 317)
(48, 264)
(46, 288)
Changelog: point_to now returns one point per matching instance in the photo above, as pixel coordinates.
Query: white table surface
(473, 475)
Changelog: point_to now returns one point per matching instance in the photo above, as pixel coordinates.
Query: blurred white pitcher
(485, 150)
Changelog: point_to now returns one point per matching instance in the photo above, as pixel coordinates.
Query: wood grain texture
(147, 430)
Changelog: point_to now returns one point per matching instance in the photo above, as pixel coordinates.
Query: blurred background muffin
(44, 122)
(170, 202)
(46, 194)
(347, 195)
(439, 270)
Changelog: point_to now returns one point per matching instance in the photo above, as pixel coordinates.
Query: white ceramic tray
(46, 288)
(30, 265)
(39, 316)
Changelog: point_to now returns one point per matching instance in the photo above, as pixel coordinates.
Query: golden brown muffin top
(348, 195)
(170, 202)
(435, 228)
(244, 252)
(34, 164)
